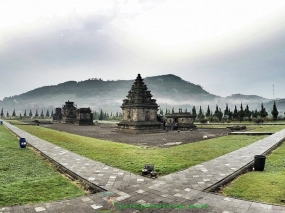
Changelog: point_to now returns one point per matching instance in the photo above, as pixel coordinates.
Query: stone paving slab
(178, 192)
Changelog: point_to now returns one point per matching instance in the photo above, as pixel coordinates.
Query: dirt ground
(164, 139)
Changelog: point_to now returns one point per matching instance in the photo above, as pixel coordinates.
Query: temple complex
(69, 114)
(180, 121)
(139, 110)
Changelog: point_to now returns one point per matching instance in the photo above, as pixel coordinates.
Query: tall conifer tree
(274, 112)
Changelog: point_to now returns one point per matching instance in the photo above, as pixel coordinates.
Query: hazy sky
(225, 46)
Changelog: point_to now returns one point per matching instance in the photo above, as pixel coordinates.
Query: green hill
(169, 91)
(96, 93)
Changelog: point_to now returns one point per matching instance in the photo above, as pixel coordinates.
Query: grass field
(26, 178)
(267, 186)
(251, 128)
(132, 158)
(267, 128)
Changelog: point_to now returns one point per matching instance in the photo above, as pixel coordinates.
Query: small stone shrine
(69, 112)
(84, 116)
(139, 110)
(57, 116)
(180, 121)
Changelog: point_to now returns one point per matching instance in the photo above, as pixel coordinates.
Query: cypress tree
(230, 114)
(218, 113)
(194, 111)
(235, 114)
(30, 114)
(14, 113)
(42, 114)
(262, 112)
(101, 116)
(208, 113)
(25, 113)
(2, 113)
(226, 112)
(241, 113)
(200, 114)
(274, 112)
(7, 114)
(47, 113)
(247, 112)
(51, 115)
(36, 115)
(254, 113)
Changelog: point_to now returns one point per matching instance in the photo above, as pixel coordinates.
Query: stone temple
(139, 110)
(69, 112)
(180, 121)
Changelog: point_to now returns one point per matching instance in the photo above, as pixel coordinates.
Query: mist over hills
(169, 91)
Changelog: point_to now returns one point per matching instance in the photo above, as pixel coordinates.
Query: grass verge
(26, 178)
(267, 128)
(132, 158)
(252, 128)
(267, 186)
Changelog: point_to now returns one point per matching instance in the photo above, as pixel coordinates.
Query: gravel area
(164, 139)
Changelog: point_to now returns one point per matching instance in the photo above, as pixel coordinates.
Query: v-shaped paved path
(176, 192)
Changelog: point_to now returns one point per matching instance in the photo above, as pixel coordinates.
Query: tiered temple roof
(139, 94)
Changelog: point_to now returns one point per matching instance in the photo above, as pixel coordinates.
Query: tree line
(240, 114)
(96, 115)
(47, 114)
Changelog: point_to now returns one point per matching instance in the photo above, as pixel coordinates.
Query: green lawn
(267, 186)
(252, 128)
(26, 178)
(267, 128)
(132, 158)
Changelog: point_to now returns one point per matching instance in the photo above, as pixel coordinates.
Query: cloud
(226, 48)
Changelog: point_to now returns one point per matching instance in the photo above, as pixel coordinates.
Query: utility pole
(273, 92)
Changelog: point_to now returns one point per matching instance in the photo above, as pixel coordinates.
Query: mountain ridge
(169, 91)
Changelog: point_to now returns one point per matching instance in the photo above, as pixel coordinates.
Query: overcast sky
(225, 46)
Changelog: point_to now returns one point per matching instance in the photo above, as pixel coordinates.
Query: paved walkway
(250, 133)
(178, 192)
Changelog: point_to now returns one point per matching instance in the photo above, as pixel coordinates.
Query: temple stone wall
(185, 120)
(84, 116)
(140, 114)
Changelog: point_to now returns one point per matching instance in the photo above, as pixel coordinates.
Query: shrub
(259, 120)
(203, 120)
